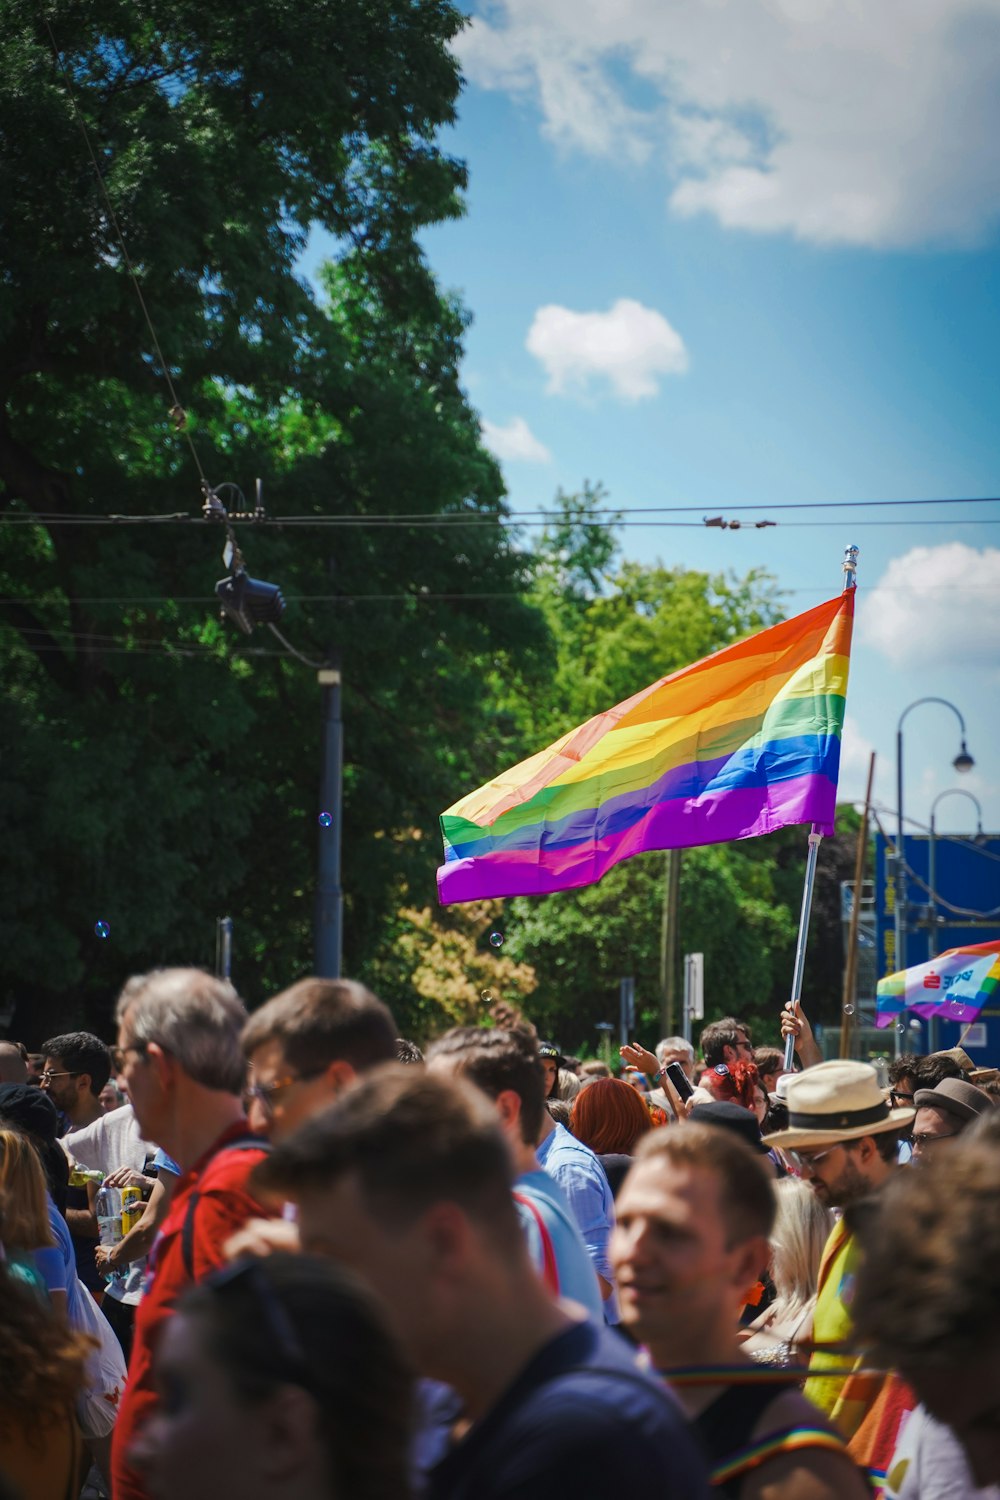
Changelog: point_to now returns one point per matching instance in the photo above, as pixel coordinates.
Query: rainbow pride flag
(741, 743)
(956, 985)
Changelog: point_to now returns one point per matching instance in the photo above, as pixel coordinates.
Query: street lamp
(963, 762)
(932, 928)
(954, 791)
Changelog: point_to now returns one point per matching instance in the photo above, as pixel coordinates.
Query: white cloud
(515, 443)
(855, 756)
(833, 120)
(629, 345)
(937, 607)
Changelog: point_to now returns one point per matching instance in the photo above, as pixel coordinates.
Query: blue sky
(721, 255)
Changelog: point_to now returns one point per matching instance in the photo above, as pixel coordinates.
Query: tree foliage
(159, 772)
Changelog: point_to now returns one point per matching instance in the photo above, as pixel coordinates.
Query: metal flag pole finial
(850, 568)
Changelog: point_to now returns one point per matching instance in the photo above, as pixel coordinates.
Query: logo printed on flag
(968, 978)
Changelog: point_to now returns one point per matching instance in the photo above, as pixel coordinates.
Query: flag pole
(850, 569)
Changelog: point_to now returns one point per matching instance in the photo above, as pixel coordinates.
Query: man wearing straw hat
(841, 1137)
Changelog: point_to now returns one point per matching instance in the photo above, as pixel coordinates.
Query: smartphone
(679, 1079)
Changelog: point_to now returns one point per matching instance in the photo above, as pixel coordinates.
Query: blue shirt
(584, 1182)
(578, 1418)
(576, 1273)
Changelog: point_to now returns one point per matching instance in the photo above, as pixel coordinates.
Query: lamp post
(954, 791)
(963, 762)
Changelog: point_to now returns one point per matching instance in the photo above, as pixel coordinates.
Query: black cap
(731, 1117)
(31, 1109)
(549, 1049)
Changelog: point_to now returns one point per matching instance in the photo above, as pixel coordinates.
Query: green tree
(160, 771)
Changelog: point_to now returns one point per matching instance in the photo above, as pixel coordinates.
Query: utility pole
(329, 893)
(668, 942)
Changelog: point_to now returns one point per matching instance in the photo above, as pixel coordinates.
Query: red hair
(738, 1085)
(609, 1116)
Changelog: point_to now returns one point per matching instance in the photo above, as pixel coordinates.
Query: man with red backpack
(179, 1053)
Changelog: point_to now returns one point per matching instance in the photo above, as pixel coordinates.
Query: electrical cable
(911, 874)
(290, 649)
(447, 523)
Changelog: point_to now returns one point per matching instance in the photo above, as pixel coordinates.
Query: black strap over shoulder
(728, 1423)
(241, 1143)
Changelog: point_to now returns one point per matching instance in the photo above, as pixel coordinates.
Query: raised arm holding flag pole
(744, 742)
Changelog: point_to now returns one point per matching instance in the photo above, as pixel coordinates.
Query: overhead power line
(443, 523)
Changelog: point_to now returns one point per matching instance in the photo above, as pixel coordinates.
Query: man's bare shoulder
(802, 1473)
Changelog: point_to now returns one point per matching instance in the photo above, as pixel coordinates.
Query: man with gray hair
(676, 1049)
(180, 1055)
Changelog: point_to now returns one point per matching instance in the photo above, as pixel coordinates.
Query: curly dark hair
(81, 1052)
(41, 1360)
(927, 1289)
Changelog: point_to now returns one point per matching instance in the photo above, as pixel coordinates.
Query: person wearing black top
(407, 1180)
(694, 1216)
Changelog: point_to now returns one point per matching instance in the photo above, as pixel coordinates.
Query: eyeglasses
(921, 1142)
(807, 1161)
(897, 1098)
(48, 1075)
(264, 1093)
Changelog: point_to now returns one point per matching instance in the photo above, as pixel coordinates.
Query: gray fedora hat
(955, 1097)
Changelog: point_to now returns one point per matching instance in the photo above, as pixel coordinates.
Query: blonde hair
(25, 1200)
(800, 1232)
(567, 1085)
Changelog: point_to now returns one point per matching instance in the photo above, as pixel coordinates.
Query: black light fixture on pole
(247, 602)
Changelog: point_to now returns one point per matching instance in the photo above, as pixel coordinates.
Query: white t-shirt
(110, 1142)
(930, 1464)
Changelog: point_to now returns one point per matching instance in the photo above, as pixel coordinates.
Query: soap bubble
(102, 930)
(487, 997)
(496, 939)
(915, 1024)
(325, 820)
(900, 1026)
(848, 1010)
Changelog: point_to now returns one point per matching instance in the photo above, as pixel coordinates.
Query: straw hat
(836, 1101)
(960, 1056)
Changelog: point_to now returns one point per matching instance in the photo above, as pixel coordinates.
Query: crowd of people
(353, 1267)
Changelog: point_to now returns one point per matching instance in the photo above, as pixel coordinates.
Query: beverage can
(132, 1208)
